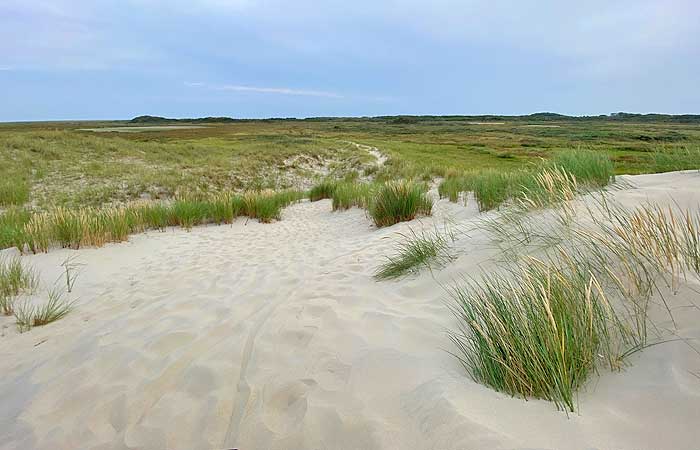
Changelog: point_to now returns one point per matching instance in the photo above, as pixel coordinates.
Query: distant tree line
(408, 119)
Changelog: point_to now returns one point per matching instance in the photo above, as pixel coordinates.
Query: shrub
(399, 201)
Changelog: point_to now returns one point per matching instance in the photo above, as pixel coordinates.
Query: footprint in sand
(285, 405)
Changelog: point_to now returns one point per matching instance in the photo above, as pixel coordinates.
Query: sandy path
(276, 337)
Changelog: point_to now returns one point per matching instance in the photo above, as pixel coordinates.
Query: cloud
(268, 90)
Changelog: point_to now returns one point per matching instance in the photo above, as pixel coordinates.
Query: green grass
(537, 333)
(670, 159)
(13, 191)
(587, 166)
(322, 190)
(349, 194)
(539, 185)
(55, 308)
(416, 251)
(541, 326)
(58, 165)
(15, 279)
(94, 227)
(452, 187)
(399, 201)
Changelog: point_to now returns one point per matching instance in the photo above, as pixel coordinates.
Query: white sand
(276, 337)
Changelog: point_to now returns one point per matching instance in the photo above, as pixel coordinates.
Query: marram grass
(28, 316)
(346, 195)
(541, 328)
(399, 201)
(15, 279)
(322, 190)
(94, 227)
(415, 251)
(537, 332)
(494, 188)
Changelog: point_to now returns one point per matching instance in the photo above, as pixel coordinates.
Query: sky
(100, 59)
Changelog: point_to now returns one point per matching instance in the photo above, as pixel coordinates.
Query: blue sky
(99, 59)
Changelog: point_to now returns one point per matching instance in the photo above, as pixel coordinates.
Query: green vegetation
(81, 227)
(586, 166)
(13, 191)
(399, 201)
(540, 327)
(61, 184)
(416, 251)
(536, 333)
(670, 159)
(15, 279)
(567, 170)
(56, 307)
(322, 190)
(346, 195)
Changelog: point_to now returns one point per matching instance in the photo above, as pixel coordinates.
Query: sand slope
(276, 337)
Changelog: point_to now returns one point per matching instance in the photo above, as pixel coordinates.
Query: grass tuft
(399, 201)
(347, 195)
(416, 251)
(55, 308)
(322, 190)
(587, 166)
(15, 279)
(538, 333)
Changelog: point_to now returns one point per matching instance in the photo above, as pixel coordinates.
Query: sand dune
(276, 337)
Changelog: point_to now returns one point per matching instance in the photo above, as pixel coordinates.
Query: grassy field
(59, 164)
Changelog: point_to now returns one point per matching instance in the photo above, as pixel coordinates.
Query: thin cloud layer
(320, 58)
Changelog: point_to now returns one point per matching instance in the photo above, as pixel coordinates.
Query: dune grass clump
(15, 279)
(587, 166)
(545, 324)
(493, 188)
(539, 331)
(546, 188)
(417, 251)
(322, 190)
(153, 216)
(452, 186)
(187, 213)
(56, 307)
(399, 201)
(347, 195)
